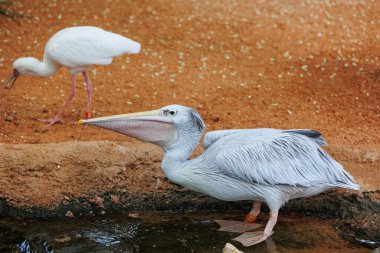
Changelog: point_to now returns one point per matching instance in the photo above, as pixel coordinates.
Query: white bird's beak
(15, 74)
(148, 126)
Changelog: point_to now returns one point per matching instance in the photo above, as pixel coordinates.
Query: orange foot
(249, 218)
(236, 226)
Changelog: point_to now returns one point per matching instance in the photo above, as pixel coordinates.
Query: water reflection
(163, 233)
(271, 245)
(27, 247)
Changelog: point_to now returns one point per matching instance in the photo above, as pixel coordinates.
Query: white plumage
(80, 47)
(76, 48)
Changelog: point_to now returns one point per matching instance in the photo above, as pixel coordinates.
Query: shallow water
(157, 233)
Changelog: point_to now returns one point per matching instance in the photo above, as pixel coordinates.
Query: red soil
(241, 64)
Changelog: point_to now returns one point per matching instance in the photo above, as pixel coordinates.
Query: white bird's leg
(252, 238)
(255, 211)
(89, 93)
(58, 117)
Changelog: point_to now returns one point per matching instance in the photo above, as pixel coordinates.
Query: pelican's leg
(89, 93)
(255, 211)
(240, 227)
(58, 117)
(252, 238)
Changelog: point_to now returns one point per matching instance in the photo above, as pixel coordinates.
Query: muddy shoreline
(103, 177)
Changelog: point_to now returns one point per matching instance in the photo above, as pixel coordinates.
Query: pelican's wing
(213, 136)
(84, 46)
(312, 134)
(283, 157)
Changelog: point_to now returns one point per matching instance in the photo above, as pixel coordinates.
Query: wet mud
(158, 232)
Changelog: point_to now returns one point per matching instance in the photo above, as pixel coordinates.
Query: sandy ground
(242, 64)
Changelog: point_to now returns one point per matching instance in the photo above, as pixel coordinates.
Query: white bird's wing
(84, 46)
(279, 157)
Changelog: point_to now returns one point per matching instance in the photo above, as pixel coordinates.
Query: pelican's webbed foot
(251, 238)
(236, 226)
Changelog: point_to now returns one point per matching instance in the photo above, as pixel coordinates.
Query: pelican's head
(164, 127)
(21, 66)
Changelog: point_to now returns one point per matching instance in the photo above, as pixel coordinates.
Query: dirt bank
(42, 180)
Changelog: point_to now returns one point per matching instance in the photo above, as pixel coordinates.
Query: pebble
(229, 248)
(134, 215)
(63, 238)
(69, 214)
(98, 201)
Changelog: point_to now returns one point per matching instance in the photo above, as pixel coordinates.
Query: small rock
(229, 248)
(11, 118)
(370, 157)
(134, 215)
(69, 214)
(115, 199)
(63, 238)
(98, 201)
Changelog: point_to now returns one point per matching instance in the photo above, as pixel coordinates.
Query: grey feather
(312, 134)
(277, 157)
(197, 120)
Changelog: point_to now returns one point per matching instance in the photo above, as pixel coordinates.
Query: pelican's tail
(351, 186)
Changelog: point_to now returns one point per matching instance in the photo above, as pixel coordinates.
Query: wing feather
(281, 158)
(213, 136)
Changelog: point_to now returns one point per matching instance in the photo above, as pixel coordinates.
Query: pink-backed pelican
(263, 165)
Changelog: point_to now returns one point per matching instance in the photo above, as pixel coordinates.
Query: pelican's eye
(169, 112)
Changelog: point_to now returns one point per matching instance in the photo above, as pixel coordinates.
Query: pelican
(262, 165)
(76, 48)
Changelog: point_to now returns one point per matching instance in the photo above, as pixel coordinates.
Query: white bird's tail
(125, 44)
(133, 47)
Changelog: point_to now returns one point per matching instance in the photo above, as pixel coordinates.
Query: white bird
(263, 165)
(76, 48)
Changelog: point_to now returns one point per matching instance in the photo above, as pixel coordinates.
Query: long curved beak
(13, 77)
(148, 126)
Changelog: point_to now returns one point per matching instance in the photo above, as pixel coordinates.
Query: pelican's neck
(177, 155)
